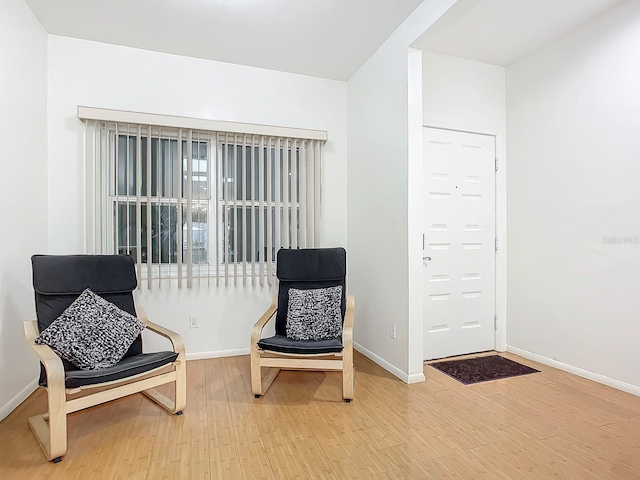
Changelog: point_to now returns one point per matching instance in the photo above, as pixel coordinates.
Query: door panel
(459, 230)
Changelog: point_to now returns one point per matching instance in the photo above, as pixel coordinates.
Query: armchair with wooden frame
(304, 269)
(58, 280)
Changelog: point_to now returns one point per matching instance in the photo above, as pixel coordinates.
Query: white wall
(470, 96)
(463, 94)
(380, 248)
(108, 76)
(23, 190)
(573, 128)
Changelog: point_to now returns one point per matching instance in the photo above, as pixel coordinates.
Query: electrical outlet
(392, 330)
(193, 321)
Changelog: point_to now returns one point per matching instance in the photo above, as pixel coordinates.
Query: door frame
(495, 214)
(415, 220)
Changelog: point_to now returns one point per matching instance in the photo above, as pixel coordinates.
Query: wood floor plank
(625, 456)
(514, 452)
(592, 464)
(390, 475)
(626, 431)
(565, 461)
(408, 463)
(492, 458)
(314, 464)
(446, 468)
(551, 425)
(352, 466)
(284, 461)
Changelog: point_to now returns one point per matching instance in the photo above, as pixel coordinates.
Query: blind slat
(104, 190)
(286, 179)
(211, 178)
(294, 195)
(262, 250)
(189, 209)
(317, 204)
(225, 231)
(218, 195)
(116, 193)
(91, 139)
(126, 186)
(149, 239)
(278, 195)
(196, 201)
(269, 200)
(243, 183)
(311, 187)
(159, 194)
(252, 196)
(234, 169)
(179, 196)
(303, 195)
(138, 201)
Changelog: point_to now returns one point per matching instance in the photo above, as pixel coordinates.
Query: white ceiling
(501, 31)
(323, 38)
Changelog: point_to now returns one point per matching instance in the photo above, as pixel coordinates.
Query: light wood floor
(546, 425)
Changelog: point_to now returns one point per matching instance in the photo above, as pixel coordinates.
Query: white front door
(459, 243)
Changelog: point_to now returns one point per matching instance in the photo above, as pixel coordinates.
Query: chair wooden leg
(256, 372)
(269, 377)
(347, 374)
(161, 399)
(50, 429)
(180, 389)
(259, 383)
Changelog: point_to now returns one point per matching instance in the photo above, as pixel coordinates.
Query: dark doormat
(482, 369)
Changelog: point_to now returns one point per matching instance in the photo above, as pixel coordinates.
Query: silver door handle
(426, 258)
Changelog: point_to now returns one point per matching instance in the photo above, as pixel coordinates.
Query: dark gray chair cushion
(280, 343)
(127, 367)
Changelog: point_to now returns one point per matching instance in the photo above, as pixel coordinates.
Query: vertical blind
(202, 207)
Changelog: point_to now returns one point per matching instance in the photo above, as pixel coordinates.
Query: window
(260, 187)
(162, 204)
(192, 203)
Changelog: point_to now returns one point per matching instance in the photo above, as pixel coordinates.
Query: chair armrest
(347, 326)
(50, 359)
(256, 332)
(174, 338)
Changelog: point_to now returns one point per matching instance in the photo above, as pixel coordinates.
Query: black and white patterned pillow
(92, 333)
(314, 314)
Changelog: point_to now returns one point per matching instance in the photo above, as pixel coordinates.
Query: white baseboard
(218, 354)
(596, 377)
(416, 378)
(387, 366)
(20, 397)
(413, 378)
